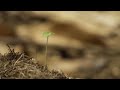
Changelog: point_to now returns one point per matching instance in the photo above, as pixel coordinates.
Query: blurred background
(86, 44)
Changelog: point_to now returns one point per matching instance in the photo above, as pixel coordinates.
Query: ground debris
(15, 65)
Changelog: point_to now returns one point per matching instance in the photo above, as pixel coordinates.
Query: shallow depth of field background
(86, 44)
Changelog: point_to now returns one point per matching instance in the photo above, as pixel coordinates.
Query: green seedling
(47, 35)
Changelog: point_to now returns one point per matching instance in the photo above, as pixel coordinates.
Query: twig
(19, 58)
(9, 48)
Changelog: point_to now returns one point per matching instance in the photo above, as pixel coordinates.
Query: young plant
(47, 35)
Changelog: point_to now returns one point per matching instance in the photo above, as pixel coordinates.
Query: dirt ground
(16, 65)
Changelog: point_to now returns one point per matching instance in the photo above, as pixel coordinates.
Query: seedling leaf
(47, 34)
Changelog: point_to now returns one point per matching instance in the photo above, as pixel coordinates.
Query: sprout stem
(46, 52)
